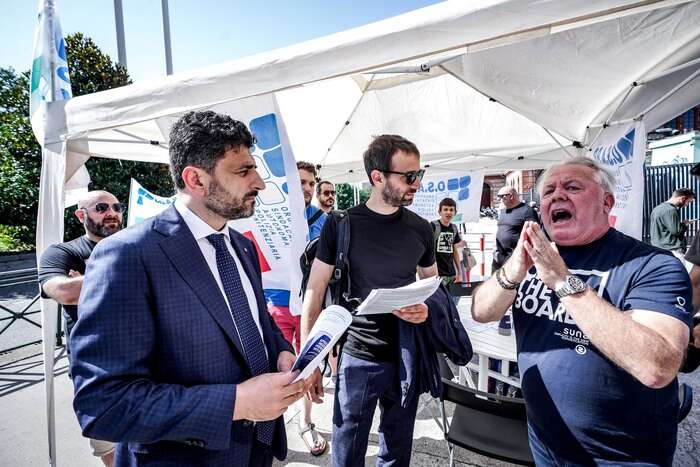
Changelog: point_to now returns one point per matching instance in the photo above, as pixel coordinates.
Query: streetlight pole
(166, 38)
(119, 23)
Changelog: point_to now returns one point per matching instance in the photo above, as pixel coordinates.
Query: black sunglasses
(103, 207)
(329, 193)
(411, 176)
(502, 196)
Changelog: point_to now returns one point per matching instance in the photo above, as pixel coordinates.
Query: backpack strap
(436, 230)
(314, 217)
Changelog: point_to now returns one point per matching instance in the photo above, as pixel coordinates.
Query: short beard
(222, 203)
(99, 229)
(393, 197)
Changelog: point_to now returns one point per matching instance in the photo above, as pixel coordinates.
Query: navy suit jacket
(155, 355)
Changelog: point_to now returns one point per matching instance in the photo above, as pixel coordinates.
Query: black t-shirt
(443, 248)
(510, 224)
(579, 403)
(383, 253)
(59, 259)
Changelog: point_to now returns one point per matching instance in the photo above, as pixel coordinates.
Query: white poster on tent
(621, 149)
(278, 228)
(144, 204)
(465, 189)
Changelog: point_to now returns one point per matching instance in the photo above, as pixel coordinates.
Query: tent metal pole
(557, 141)
(677, 88)
(422, 68)
(614, 111)
(347, 121)
(166, 37)
(669, 71)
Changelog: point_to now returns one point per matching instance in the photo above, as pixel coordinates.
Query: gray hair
(603, 176)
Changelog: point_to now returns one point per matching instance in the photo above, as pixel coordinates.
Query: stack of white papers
(387, 300)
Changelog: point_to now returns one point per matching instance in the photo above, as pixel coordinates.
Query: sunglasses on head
(328, 192)
(103, 207)
(411, 176)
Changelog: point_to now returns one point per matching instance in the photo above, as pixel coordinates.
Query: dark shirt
(693, 254)
(580, 404)
(60, 259)
(510, 224)
(443, 249)
(665, 226)
(383, 253)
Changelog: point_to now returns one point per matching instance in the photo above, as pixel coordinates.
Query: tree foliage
(345, 197)
(91, 70)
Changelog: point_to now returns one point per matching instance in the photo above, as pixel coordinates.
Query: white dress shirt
(200, 230)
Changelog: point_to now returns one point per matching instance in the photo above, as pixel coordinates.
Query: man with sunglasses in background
(62, 267)
(511, 220)
(388, 243)
(325, 194)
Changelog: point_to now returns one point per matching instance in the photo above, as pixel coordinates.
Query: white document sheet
(330, 325)
(386, 300)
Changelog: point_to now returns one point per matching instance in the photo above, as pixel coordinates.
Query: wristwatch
(571, 285)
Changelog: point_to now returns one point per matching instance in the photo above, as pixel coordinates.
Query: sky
(203, 32)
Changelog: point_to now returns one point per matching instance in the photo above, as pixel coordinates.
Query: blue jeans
(361, 384)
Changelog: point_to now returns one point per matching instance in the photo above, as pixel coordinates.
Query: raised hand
(549, 264)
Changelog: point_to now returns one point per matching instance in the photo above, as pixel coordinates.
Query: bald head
(101, 213)
(508, 196)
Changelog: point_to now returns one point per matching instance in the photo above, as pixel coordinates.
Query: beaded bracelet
(504, 282)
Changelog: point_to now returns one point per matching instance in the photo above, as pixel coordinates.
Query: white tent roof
(500, 71)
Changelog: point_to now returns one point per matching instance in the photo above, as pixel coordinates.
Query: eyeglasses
(103, 207)
(502, 196)
(328, 193)
(411, 176)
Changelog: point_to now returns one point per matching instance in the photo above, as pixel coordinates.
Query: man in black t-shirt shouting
(511, 220)
(388, 243)
(62, 267)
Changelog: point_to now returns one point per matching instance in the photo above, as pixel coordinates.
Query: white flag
(49, 76)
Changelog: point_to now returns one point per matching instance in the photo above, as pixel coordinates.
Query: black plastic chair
(685, 395)
(491, 425)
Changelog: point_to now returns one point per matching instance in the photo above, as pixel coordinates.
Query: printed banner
(622, 149)
(144, 204)
(464, 189)
(278, 228)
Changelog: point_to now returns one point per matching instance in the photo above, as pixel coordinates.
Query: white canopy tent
(488, 84)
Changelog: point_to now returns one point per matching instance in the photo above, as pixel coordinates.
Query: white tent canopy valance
(496, 74)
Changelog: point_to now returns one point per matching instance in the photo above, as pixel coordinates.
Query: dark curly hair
(200, 139)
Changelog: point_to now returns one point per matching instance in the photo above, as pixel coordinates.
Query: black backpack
(339, 284)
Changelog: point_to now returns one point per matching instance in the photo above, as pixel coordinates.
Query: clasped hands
(534, 249)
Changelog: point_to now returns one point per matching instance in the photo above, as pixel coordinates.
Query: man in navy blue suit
(175, 357)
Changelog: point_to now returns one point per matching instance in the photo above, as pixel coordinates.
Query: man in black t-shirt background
(388, 244)
(62, 267)
(511, 220)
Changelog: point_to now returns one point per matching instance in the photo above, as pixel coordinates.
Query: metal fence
(659, 183)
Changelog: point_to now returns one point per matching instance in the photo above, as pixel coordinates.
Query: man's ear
(377, 177)
(608, 202)
(196, 180)
(80, 214)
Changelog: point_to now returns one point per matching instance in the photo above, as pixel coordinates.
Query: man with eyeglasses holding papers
(62, 267)
(388, 243)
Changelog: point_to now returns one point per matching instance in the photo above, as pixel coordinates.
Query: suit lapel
(181, 248)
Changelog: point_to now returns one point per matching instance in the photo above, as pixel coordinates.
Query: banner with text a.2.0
(465, 189)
